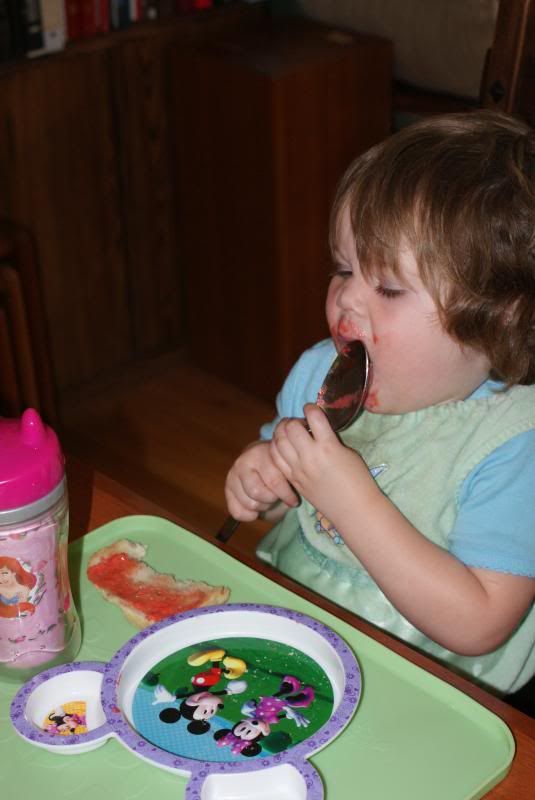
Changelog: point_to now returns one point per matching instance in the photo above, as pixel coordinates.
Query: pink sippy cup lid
(31, 461)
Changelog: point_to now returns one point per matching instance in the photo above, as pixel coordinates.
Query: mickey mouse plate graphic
(236, 697)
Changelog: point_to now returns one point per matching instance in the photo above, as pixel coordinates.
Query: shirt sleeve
(302, 384)
(495, 526)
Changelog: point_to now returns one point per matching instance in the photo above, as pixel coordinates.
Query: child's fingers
(282, 448)
(280, 462)
(239, 505)
(291, 435)
(278, 484)
(254, 484)
(243, 507)
(251, 491)
(240, 512)
(317, 421)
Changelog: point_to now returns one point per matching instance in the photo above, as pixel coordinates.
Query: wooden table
(96, 500)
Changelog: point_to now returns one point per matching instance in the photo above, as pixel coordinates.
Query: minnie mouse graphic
(245, 736)
(65, 722)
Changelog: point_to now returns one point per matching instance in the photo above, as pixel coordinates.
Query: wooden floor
(170, 432)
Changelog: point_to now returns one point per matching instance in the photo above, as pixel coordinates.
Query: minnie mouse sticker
(246, 736)
(67, 720)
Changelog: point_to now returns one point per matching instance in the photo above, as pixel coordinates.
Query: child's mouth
(347, 331)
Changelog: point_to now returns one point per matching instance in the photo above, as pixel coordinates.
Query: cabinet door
(141, 76)
(265, 126)
(58, 167)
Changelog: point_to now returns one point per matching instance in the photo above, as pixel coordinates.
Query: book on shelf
(53, 28)
(5, 32)
(39, 27)
(32, 26)
(119, 14)
(15, 21)
(88, 18)
(102, 12)
(150, 9)
(73, 18)
(196, 5)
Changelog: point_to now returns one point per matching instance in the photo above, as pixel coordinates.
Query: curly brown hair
(459, 191)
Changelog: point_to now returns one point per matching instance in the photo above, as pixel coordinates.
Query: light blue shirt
(498, 495)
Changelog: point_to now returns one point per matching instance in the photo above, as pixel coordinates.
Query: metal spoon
(341, 396)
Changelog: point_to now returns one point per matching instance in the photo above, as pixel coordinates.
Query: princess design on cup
(16, 584)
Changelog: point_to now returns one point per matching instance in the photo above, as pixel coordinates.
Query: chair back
(508, 82)
(25, 364)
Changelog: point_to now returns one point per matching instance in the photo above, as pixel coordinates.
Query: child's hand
(319, 466)
(254, 484)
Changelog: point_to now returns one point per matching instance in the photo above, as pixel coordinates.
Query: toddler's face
(415, 363)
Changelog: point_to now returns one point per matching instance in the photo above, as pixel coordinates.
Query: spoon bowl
(341, 396)
(343, 392)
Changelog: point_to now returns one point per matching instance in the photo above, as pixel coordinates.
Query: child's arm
(467, 610)
(255, 486)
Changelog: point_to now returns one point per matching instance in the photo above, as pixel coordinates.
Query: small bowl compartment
(274, 783)
(61, 710)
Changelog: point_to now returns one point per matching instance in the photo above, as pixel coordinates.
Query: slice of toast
(142, 593)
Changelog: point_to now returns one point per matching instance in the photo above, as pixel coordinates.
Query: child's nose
(352, 295)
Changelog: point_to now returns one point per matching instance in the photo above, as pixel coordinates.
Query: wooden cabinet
(146, 156)
(176, 179)
(58, 152)
(268, 123)
(86, 166)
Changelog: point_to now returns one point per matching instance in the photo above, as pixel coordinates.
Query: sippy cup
(39, 626)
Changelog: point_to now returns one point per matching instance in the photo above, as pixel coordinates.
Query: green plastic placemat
(413, 736)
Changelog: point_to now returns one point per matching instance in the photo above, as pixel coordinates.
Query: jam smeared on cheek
(372, 401)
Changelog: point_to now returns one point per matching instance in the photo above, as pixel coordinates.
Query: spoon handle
(227, 529)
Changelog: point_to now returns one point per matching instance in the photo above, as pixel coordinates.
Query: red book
(102, 13)
(88, 17)
(73, 17)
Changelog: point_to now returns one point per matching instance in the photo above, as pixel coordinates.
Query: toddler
(420, 517)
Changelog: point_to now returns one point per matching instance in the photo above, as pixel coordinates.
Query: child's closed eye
(389, 292)
(340, 271)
